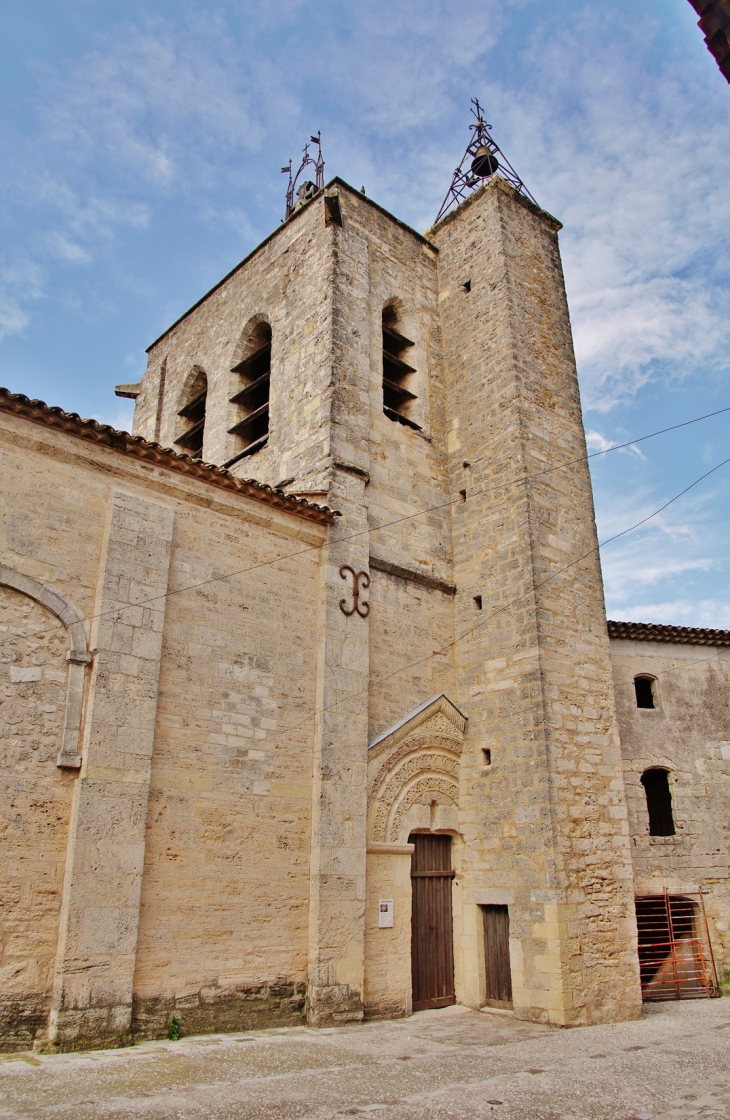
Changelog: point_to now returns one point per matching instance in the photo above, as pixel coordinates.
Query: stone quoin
(240, 719)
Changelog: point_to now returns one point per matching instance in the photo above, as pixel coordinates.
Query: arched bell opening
(252, 396)
(400, 380)
(191, 415)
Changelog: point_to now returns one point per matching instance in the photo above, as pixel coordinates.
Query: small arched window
(253, 398)
(658, 802)
(646, 694)
(193, 415)
(398, 395)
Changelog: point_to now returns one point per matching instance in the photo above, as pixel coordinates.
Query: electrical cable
(507, 606)
(406, 517)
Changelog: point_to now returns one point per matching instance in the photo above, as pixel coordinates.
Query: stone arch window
(658, 801)
(254, 369)
(78, 657)
(193, 414)
(645, 687)
(398, 373)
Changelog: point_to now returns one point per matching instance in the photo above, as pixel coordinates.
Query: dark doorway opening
(496, 956)
(432, 934)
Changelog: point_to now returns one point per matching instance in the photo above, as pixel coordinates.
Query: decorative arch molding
(414, 762)
(78, 657)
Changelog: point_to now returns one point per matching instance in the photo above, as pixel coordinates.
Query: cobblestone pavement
(451, 1063)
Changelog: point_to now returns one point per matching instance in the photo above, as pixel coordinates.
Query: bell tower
(425, 388)
(545, 821)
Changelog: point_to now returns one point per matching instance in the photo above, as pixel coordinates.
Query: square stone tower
(548, 816)
(425, 388)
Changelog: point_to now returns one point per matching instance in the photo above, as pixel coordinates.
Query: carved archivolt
(426, 790)
(417, 744)
(417, 761)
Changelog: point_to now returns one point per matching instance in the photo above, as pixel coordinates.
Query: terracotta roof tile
(105, 436)
(714, 22)
(651, 632)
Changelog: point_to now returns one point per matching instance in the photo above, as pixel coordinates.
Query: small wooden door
(432, 938)
(496, 956)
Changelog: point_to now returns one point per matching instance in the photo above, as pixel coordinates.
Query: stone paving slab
(452, 1063)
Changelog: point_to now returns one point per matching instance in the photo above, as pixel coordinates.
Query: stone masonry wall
(311, 279)
(545, 825)
(35, 808)
(287, 281)
(323, 287)
(409, 620)
(220, 937)
(689, 735)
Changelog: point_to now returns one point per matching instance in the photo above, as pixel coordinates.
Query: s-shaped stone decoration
(363, 609)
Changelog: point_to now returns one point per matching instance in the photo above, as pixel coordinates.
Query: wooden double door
(432, 934)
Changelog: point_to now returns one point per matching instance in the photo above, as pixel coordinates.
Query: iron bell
(485, 162)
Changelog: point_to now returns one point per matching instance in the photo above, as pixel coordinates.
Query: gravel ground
(452, 1063)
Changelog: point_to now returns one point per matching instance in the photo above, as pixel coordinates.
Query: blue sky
(141, 147)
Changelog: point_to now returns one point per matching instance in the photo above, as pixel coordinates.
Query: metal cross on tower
(478, 163)
(308, 189)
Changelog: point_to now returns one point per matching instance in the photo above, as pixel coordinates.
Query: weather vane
(308, 189)
(481, 161)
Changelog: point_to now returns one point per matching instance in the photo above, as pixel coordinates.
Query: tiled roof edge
(139, 448)
(683, 635)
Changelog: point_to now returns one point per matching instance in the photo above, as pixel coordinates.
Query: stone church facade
(352, 738)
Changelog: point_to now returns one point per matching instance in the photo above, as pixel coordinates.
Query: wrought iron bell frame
(307, 161)
(465, 179)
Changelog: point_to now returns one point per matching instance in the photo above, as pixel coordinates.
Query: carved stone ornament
(414, 762)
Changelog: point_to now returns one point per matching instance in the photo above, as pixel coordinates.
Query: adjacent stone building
(349, 739)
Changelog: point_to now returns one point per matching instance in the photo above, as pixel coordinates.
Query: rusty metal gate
(432, 937)
(675, 954)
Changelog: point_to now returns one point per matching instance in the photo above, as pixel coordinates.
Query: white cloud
(711, 613)
(675, 553)
(598, 443)
(630, 152)
(20, 285)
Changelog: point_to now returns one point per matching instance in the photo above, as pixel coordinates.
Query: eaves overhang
(681, 635)
(103, 435)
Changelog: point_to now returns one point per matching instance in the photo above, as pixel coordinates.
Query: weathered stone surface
(35, 809)
(533, 665)
(223, 848)
(688, 734)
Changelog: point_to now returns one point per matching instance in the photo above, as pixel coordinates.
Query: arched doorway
(413, 818)
(432, 932)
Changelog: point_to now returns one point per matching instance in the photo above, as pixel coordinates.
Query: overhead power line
(410, 516)
(513, 602)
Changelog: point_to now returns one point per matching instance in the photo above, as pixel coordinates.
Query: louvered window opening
(191, 440)
(397, 372)
(253, 399)
(675, 954)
